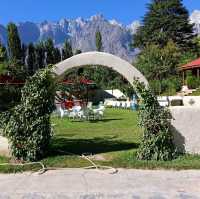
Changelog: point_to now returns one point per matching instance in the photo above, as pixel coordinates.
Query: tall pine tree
(9, 94)
(31, 59)
(39, 55)
(14, 43)
(67, 50)
(57, 55)
(3, 59)
(49, 49)
(165, 20)
(98, 38)
(24, 50)
(3, 53)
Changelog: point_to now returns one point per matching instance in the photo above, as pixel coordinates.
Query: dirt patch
(98, 157)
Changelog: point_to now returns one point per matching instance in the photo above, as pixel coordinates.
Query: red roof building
(193, 66)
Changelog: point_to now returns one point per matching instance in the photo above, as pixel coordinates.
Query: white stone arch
(101, 59)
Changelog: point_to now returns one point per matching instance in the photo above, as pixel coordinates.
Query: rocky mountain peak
(81, 33)
(195, 19)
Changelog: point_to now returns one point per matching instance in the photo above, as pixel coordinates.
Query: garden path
(90, 184)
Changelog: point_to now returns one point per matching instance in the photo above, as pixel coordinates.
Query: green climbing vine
(28, 127)
(157, 142)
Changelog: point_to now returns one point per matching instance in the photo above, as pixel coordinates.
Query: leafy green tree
(49, 49)
(197, 42)
(165, 20)
(9, 94)
(3, 59)
(67, 50)
(98, 39)
(157, 63)
(186, 57)
(14, 43)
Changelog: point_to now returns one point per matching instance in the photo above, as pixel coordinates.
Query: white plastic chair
(89, 105)
(76, 112)
(99, 112)
(72, 114)
(76, 108)
(81, 115)
(63, 112)
(114, 104)
(128, 104)
(123, 105)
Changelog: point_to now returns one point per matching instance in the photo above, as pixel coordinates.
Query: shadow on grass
(60, 146)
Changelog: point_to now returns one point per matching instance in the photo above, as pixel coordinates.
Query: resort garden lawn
(195, 93)
(112, 141)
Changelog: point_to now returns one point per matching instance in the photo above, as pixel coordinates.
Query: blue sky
(125, 11)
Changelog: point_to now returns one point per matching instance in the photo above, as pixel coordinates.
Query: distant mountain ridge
(81, 32)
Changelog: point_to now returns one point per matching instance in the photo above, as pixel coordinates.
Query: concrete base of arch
(4, 146)
(186, 128)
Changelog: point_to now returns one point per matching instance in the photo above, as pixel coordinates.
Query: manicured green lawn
(113, 141)
(195, 93)
(116, 134)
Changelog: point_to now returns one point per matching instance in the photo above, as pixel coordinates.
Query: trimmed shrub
(171, 85)
(192, 82)
(28, 128)
(167, 86)
(156, 86)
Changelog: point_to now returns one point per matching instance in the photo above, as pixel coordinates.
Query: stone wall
(186, 124)
(193, 101)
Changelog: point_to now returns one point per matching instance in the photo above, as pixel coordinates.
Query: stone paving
(91, 184)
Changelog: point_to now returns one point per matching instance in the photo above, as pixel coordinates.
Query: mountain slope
(81, 33)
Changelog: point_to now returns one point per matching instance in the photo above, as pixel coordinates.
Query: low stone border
(4, 146)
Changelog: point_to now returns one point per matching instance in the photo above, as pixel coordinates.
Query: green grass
(114, 135)
(195, 93)
(114, 140)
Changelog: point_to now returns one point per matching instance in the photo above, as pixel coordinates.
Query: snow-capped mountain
(195, 19)
(134, 26)
(81, 32)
